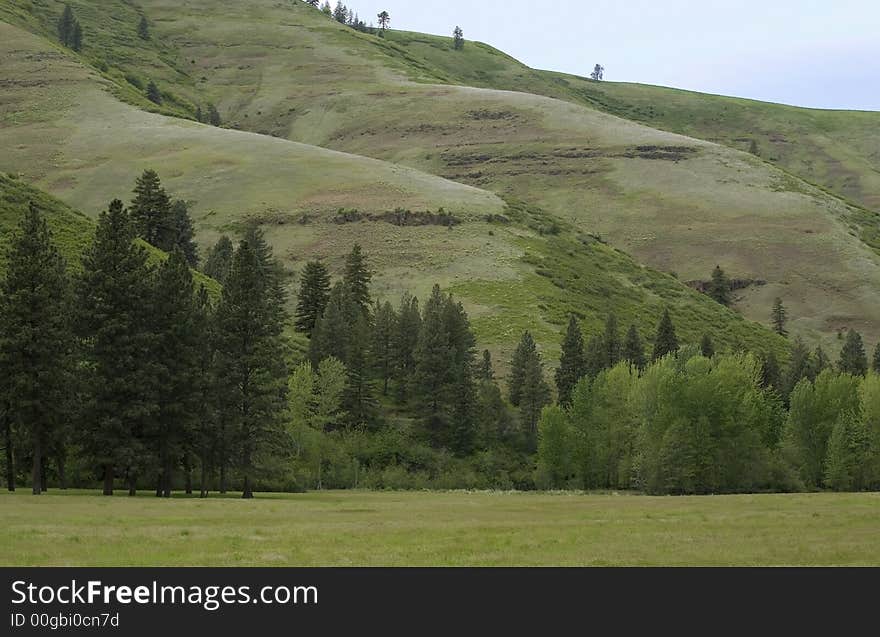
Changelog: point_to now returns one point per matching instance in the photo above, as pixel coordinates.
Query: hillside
(574, 177)
(676, 203)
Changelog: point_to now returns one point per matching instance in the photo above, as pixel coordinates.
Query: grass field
(356, 528)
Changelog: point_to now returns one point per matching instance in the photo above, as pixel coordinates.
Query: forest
(122, 371)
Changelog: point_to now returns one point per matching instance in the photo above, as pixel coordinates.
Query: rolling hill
(554, 186)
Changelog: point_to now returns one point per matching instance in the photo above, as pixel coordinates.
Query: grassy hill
(283, 73)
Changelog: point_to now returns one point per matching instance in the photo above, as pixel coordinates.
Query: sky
(802, 52)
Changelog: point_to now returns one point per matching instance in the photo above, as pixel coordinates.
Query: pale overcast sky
(804, 52)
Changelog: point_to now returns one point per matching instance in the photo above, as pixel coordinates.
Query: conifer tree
(852, 357)
(313, 3)
(151, 211)
(206, 435)
(771, 374)
(707, 347)
(433, 359)
(535, 394)
(250, 371)
(144, 28)
(331, 333)
(314, 291)
(177, 361)
(719, 286)
(819, 363)
(359, 402)
(384, 20)
(66, 26)
(458, 38)
(326, 8)
(382, 350)
(875, 362)
(524, 351)
(595, 355)
(213, 116)
(633, 349)
(406, 337)
(340, 13)
(799, 366)
(779, 317)
(153, 93)
(200, 117)
(461, 392)
(117, 342)
(357, 277)
(219, 260)
(485, 372)
(571, 363)
(666, 342)
(611, 341)
(77, 42)
(182, 233)
(35, 340)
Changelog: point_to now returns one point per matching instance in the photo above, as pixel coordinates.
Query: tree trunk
(132, 485)
(44, 467)
(247, 492)
(108, 479)
(61, 460)
(37, 475)
(166, 476)
(10, 458)
(223, 476)
(159, 485)
(203, 479)
(187, 468)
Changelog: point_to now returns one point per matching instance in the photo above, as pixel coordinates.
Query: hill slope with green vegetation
(522, 269)
(676, 203)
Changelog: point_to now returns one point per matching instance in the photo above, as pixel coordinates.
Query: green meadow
(358, 528)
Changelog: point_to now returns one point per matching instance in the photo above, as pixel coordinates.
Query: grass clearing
(356, 528)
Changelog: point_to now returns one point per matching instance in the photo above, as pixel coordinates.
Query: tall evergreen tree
(525, 350)
(332, 331)
(461, 391)
(151, 211)
(485, 372)
(719, 286)
(219, 260)
(707, 347)
(433, 360)
(535, 394)
(249, 362)
(633, 349)
(214, 116)
(359, 401)
(153, 93)
(611, 340)
(666, 342)
(771, 374)
(177, 359)
(384, 20)
(182, 233)
(382, 350)
(144, 28)
(314, 291)
(77, 43)
(406, 338)
(779, 317)
(799, 366)
(852, 357)
(458, 39)
(875, 362)
(571, 363)
(819, 363)
(117, 340)
(66, 26)
(357, 277)
(595, 355)
(35, 339)
(340, 13)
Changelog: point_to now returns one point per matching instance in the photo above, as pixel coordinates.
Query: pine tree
(535, 394)
(66, 26)
(458, 38)
(382, 350)
(314, 291)
(35, 339)
(357, 277)
(219, 260)
(779, 317)
(359, 402)
(633, 349)
(213, 115)
(206, 437)
(153, 93)
(433, 360)
(177, 360)
(117, 342)
(819, 363)
(852, 357)
(461, 391)
(875, 363)
(151, 211)
(313, 3)
(799, 366)
(707, 347)
(666, 341)
(340, 13)
(719, 286)
(250, 371)
(182, 233)
(611, 341)
(328, 11)
(406, 338)
(144, 28)
(331, 332)
(384, 20)
(77, 42)
(485, 372)
(571, 363)
(595, 356)
(524, 351)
